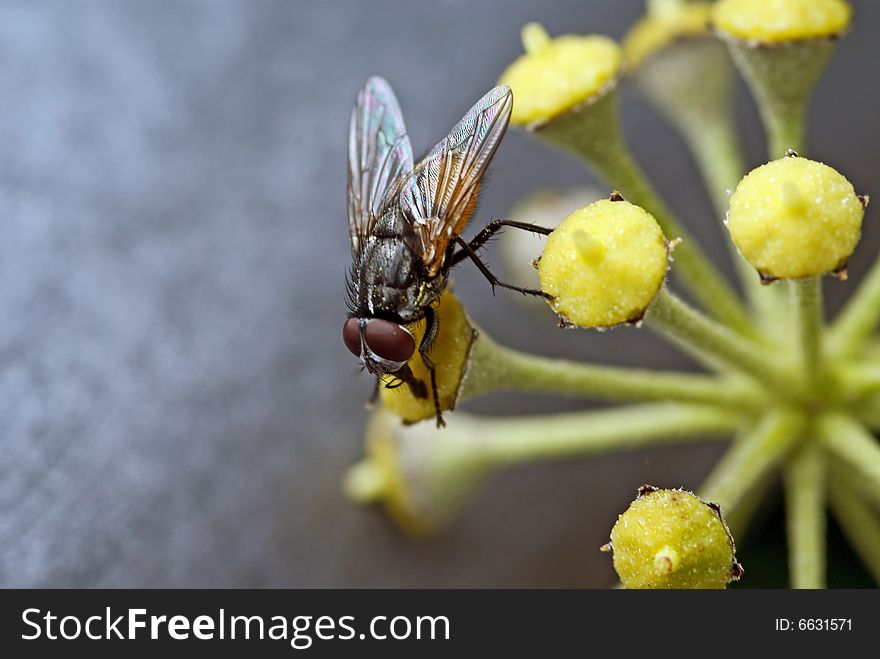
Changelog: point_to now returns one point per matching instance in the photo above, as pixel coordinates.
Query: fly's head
(383, 346)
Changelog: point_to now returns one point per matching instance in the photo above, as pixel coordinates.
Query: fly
(405, 222)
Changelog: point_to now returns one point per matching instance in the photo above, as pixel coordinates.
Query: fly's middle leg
(469, 251)
(494, 227)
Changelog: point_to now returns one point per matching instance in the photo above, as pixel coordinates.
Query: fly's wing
(379, 155)
(441, 193)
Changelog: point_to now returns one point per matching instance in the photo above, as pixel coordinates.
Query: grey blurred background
(176, 405)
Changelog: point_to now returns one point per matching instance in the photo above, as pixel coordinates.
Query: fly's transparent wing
(379, 155)
(441, 193)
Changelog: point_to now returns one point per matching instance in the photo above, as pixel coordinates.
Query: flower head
(672, 539)
(556, 75)
(604, 264)
(420, 474)
(450, 353)
(794, 218)
(778, 21)
(663, 25)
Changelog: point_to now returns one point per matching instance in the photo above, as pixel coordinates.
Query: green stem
(740, 517)
(494, 367)
(691, 83)
(690, 329)
(857, 449)
(425, 475)
(786, 130)
(867, 377)
(868, 412)
(719, 159)
(593, 134)
(807, 308)
(782, 78)
(858, 320)
(805, 516)
(859, 523)
(525, 439)
(751, 458)
(872, 349)
(858, 380)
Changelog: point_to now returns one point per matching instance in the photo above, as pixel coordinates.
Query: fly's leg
(467, 251)
(405, 376)
(431, 327)
(490, 230)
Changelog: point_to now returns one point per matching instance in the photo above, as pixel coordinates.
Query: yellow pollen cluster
(658, 29)
(450, 353)
(555, 75)
(672, 539)
(794, 218)
(775, 21)
(604, 264)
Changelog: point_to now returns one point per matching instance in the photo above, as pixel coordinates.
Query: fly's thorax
(390, 279)
(407, 304)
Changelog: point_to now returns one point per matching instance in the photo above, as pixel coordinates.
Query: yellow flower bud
(379, 477)
(556, 75)
(604, 264)
(661, 27)
(776, 21)
(450, 354)
(421, 475)
(794, 218)
(672, 539)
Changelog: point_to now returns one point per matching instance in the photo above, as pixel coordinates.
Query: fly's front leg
(404, 375)
(467, 251)
(431, 327)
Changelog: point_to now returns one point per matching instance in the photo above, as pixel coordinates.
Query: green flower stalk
(781, 47)
(423, 475)
(676, 62)
(805, 513)
(686, 73)
(858, 520)
(799, 397)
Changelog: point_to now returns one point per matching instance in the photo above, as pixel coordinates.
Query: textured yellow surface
(604, 264)
(672, 539)
(794, 218)
(555, 75)
(384, 465)
(660, 28)
(449, 353)
(773, 21)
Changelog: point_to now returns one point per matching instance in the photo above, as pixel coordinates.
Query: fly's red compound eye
(351, 335)
(389, 341)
